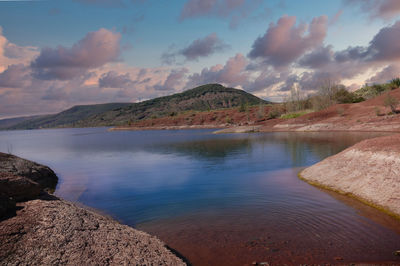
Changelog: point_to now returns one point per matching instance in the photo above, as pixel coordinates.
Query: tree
(295, 101)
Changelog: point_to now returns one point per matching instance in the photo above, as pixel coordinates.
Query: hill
(67, 118)
(203, 98)
(10, 122)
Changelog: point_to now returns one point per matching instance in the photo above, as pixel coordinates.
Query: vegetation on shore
(204, 98)
(296, 104)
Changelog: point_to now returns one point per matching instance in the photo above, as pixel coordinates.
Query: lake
(216, 199)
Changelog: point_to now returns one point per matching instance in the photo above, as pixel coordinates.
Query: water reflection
(194, 188)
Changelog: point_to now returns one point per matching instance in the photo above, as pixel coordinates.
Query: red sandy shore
(370, 115)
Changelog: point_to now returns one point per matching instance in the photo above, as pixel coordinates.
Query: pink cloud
(173, 81)
(202, 47)
(94, 50)
(285, 42)
(232, 73)
(386, 44)
(113, 79)
(386, 74)
(11, 53)
(15, 76)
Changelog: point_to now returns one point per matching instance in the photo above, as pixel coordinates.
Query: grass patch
(295, 114)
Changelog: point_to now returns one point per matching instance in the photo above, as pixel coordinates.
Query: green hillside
(67, 118)
(10, 122)
(203, 98)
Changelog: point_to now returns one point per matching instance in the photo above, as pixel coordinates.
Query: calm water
(217, 199)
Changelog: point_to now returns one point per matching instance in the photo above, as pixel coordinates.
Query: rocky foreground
(369, 171)
(40, 229)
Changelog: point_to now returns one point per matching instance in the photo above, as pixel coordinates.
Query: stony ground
(54, 232)
(37, 228)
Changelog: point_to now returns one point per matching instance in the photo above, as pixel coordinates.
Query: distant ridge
(10, 122)
(203, 98)
(67, 118)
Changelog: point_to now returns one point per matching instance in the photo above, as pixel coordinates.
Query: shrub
(343, 96)
(368, 92)
(395, 82)
(378, 111)
(243, 107)
(391, 102)
(275, 111)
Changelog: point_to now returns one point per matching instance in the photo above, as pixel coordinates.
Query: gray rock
(7, 205)
(38, 173)
(49, 232)
(18, 187)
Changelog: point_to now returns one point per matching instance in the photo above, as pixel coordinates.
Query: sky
(55, 54)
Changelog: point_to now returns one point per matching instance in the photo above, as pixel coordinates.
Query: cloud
(265, 80)
(94, 50)
(324, 64)
(202, 47)
(233, 73)
(285, 42)
(385, 45)
(112, 79)
(386, 74)
(173, 81)
(101, 79)
(321, 56)
(15, 76)
(384, 9)
(336, 17)
(11, 53)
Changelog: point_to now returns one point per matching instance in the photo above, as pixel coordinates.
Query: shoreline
(183, 127)
(367, 171)
(350, 195)
(39, 228)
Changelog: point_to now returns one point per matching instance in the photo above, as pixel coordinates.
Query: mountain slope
(67, 118)
(10, 122)
(202, 98)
